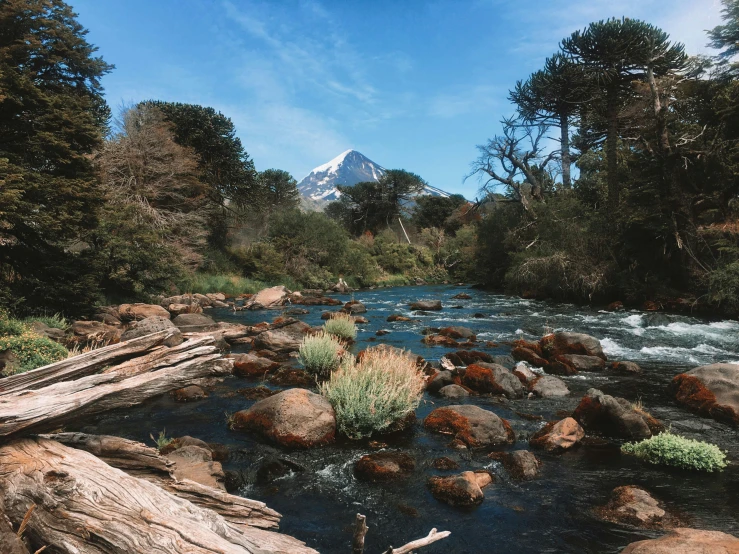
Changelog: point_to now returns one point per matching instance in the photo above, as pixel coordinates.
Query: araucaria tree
(52, 117)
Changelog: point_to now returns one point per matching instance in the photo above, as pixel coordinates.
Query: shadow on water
(319, 497)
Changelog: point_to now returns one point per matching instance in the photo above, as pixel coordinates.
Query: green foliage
(319, 354)
(674, 450)
(231, 285)
(437, 211)
(723, 286)
(374, 394)
(342, 326)
(28, 350)
(280, 190)
(55, 321)
(161, 440)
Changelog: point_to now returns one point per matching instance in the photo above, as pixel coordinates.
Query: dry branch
(432, 537)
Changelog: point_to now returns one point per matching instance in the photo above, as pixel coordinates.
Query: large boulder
(472, 425)
(194, 323)
(285, 339)
(426, 305)
(613, 417)
(354, 307)
(710, 390)
(273, 297)
(150, 325)
(135, 312)
(294, 418)
(384, 466)
(632, 505)
(573, 343)
(464, 489)
(548, 386)
(558, 436)
(686, 541)
(492, 378)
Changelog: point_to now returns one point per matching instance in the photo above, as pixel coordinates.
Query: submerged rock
(558, 436)
(464, 489)
(426, 305)
(472, 425)
(632, 505)
(626, 368)
(492, 378)
(613, 417)
(520, 464)
(444, 464)
(294, 418)
(189, 394)
(275, 469)
(397, 317)
(686, 541)
(458, 333)
(384, 466)
(711, 390)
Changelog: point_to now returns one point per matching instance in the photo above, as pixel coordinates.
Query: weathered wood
(360, 530)
(48, 408)
(10, 542)
(82, 365)
(145, 462)
(86, 506)
(432, 537)
(163, 356)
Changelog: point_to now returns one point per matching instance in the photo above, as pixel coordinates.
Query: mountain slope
(348, 168)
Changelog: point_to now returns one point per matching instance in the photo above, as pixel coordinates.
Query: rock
(458, 333)
(257, 393)
(686, 541)
(135, 312)
(251, 365)
(286, 339)
(524, 374)
(439, 381)
(611, 417)
(151, 325)
(711, 391)
(440, 340)
(574, 343)
(275, 469)
(219, 451)
(341, 286)
(625, 368)
(177, 309)
(426, 305)
(453, 392)
(384, 466)
(293, 418)
(194, 323)
(354, 307)
(189, 394)
(397, 317)
(558, 436)
(273, 297)
(582, 363)
(472, 425)
(462, 296)
(548, 386)
(520, 464)
(297, 311)
(382, 332)
(179, 442)
(632, 505)
(524, 354)
(196, 463)
(615, 306)
(216, 296)
(559, 368)
(505, 360)
(95, 331)
(292, 377)
(464, 489)
(444, 464)
(492, 378)
(40, 328)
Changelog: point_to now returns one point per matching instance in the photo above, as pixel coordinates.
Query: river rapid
(553, 513)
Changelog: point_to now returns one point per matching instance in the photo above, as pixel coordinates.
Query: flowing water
(318, 500)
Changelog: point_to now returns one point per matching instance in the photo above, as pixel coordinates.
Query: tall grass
(342, 326)
(371, 395)
(320, 354)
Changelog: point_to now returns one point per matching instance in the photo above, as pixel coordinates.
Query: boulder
(573, 343)
(492, 378)
(40, 328)
(581, 362)
(462, 296)
(711, 391)
(615, 306)
(95, 331)
(397, 317)
(453, 392)
(195, 463)
(523, 354)
(520, 464)
(439, 381)
(626, 368)
(464, 489)
(151, 325)
(273, 297)
(285, 339)
(384, 466)
(458, 333)
(472, 425)
(558, 436)
(548, 386)
(426, 305)
(135, 312)
(216, 296)
(251, 365)
(293, 418)
(354, 307)
(686, 541)
(612, 417)
(524, 374)
(440, 340)
(189, 394)
(194, 323)
(632, 505)
(177, 309)
(275, 469)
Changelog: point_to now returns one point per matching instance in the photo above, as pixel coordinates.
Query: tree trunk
(564, 129)
(614, 192)
(84, 506)
(660, 115)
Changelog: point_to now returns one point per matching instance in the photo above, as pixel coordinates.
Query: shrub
(56, 321)
(320, 354)
(342, 326)
(162, 440)
(30, 351)
(232, 285)
(375, 393)
(677, 451)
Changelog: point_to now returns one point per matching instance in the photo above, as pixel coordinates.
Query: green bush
(374, 394)
(56, 321)
(231, 285)
(342, 326)
(30, 351)
(674, 450)
(320, 354)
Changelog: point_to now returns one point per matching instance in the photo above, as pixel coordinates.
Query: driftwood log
(145, 462)
(86, 506)
(79, 366)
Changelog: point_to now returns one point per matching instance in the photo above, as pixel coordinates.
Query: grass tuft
(320, 354)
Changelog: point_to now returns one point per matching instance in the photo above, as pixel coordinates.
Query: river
(553, 513)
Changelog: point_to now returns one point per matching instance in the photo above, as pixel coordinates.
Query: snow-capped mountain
(348, 168)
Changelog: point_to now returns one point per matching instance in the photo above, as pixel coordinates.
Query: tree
(435, 211)
(280, 190)
(726, 37)
(614, 53)
(52, 117)
(551, 97)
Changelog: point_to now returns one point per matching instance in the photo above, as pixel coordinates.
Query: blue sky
(412, 85)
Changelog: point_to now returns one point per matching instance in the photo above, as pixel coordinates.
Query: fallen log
(46, 409)
(145, 462)
(82, 365)
(163, 356)
(86, 506)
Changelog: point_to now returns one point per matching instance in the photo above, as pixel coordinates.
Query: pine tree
(52, 117)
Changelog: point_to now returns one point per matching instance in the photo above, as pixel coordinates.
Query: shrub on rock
(674, 450)
(342, 326)
(320, 354)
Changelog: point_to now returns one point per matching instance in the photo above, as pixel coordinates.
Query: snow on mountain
(348, 168)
